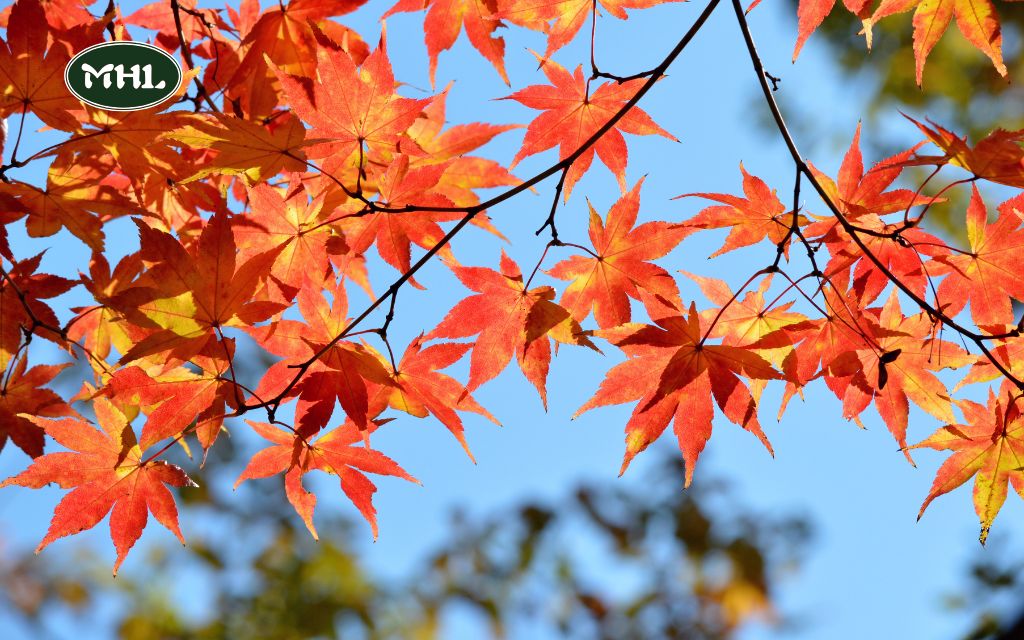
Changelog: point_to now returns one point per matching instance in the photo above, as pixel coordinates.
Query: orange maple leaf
(395, 233)
(988, 275)
(285, 36)
(998, 157)
(78, 196)
(672, 374)
(172, 400)
(346, 373)
(34, 288)
(989, 448)
(246, 149)
(333, 453)
(349, 105)
(571, 117)
(858, 193)
(510, 320)
(750, 219)
(106, 471)
(811, 13)
(185, 297)
(896, 367)
(290, 224)
(419, 388)
(23, 394)
(620, 264)
(32, 75)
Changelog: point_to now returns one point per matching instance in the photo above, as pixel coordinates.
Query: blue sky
(872, 570)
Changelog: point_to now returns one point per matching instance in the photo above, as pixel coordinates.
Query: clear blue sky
(872, 571)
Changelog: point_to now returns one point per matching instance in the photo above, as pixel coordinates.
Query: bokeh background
(540, 539)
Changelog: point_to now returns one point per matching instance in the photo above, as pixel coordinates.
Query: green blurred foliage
(559, 568)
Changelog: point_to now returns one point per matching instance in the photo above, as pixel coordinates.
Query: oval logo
(123, 76)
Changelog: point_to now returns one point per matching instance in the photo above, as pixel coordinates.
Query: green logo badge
(123, 76)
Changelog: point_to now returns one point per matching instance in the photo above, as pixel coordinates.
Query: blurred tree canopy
(659, 563)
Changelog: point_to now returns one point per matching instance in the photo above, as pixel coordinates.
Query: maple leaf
(107, 474)
(508, 320)
(34, 288)
(134, 139)
(977, 20)
(1009, 353)
(748, 322)
(998, 157)
(23, 393)
(672, 374)
(568, 16)
(989, 448)
(570, 117)
(420, 389)
(291, 225)
(246, 149)
(285, 36)
(32, 75)
(440, 143)
(173, 202)
(351, 106)
(857, 193)
(294, 454)
(864, 199)
(900, 258)
(96, 326)
(78, 192)
(751, 219)
(395, 233)
(60, 14)
(451, 146)
(188, 296)
(446, 18)
(988, 275)
(620, 264)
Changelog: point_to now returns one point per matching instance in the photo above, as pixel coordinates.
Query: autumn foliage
(292, 152)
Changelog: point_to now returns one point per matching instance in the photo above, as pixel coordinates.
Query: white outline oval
(177, 65)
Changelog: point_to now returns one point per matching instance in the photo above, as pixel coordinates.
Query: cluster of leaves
(256, 209)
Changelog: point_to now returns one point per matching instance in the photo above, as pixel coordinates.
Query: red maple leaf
(750, 219)
(620, 264)
(296, 454)
(988, 275)
(22, 395)
(672, 374)
(419, 388)
(571, 117)
(508, 320)
(989, 448)
(107, 472)
(351, 106)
